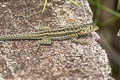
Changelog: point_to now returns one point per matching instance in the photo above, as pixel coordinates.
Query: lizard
(46, 35)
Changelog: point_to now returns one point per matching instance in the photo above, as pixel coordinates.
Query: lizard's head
(92, 27)
(88, 28)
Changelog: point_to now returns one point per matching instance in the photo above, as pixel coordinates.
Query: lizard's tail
(18, 37)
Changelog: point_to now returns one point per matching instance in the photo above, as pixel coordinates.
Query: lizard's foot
(44, 41)
(79, 41)
(40, 27)
(75, 40)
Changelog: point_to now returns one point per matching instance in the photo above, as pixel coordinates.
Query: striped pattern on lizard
(46, 35)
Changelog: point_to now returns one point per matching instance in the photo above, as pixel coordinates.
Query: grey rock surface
(63, 60)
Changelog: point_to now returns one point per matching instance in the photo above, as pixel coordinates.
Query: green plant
(47, 1)
(118, 5)
(99, 6)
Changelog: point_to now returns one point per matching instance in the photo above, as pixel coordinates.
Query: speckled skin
(54, 34)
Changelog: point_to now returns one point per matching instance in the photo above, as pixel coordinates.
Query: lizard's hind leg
(44, 41)
(40, 27)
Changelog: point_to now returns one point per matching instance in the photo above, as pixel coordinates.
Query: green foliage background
(98, 6)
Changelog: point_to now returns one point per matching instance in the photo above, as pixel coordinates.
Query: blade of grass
(74, 3)
(111, 11)
(110, 21)
(106, 9)
(118, 5)
(44, 6)
(97, 12)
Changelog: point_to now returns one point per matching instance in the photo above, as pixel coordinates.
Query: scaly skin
(48, 35)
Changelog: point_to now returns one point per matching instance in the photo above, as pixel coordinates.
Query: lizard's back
(58, 33)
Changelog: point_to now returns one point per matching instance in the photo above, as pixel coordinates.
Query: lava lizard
(46, 36)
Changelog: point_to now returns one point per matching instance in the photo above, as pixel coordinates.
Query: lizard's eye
(90, 27)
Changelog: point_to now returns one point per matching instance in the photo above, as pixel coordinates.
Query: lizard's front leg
(74, 37)
(40, 27)
(75, 40)
(44, 41)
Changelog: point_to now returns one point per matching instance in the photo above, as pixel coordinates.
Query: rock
(63, 60)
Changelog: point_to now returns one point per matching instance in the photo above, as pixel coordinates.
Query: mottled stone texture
(63, 60)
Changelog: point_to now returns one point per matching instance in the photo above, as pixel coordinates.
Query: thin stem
(44, 6)
(74, 3)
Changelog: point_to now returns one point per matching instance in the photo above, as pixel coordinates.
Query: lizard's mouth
(96, 28)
